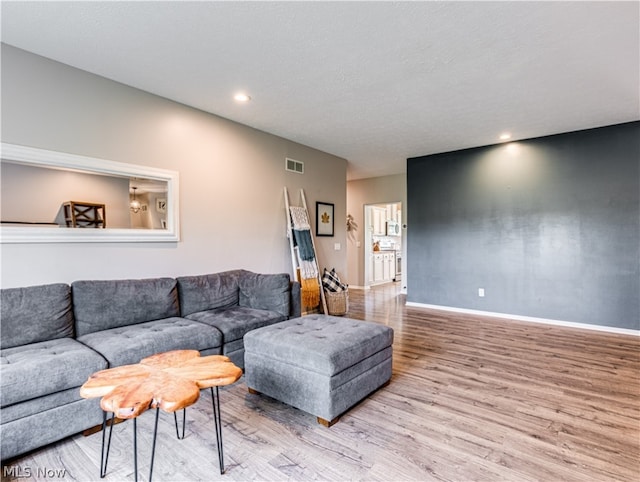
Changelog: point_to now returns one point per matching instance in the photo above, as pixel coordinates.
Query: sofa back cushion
(208, 291)
(265, 291)
(105, 304)
(34, 314)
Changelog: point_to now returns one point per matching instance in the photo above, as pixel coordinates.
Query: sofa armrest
(295, 302)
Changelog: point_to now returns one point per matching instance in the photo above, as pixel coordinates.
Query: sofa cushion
(234, 322)
(130, 344)
(39, 369)
(265, 291)
(105, 304)
(208, 291)
(34, 314)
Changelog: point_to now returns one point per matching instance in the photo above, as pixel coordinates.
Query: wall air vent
(294, 166)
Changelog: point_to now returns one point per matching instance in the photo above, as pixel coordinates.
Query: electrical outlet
(481, 292)
(337, 246)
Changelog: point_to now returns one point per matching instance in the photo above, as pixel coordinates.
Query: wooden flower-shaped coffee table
(169, 381)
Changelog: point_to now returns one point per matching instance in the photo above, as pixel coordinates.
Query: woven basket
(337, 303)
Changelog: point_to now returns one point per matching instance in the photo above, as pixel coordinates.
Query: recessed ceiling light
(242, 97)
(505, 136)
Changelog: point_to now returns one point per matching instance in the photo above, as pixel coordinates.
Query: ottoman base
(321, 421)
(276, 366)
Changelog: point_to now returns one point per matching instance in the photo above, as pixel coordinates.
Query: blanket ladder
(295, 259)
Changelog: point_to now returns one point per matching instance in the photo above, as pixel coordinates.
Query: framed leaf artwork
(324, 219)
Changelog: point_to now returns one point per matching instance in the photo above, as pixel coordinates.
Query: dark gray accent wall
(549, 227)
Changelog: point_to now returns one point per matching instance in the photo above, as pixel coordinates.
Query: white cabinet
(392, 267)
(379, 216)
(383, 267)
(378, 268)
(389, 266)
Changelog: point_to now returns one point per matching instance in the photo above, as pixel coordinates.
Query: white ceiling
(372, 82)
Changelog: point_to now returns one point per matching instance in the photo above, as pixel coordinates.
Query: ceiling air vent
(294, 166)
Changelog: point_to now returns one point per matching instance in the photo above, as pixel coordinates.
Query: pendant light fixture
(135, 204)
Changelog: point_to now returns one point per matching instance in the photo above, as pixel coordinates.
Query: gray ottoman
(320, 364)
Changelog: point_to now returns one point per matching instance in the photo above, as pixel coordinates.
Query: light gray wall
(549, 227)
(231, 177)
(378, 190)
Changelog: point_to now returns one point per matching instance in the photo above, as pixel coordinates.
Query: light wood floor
(471, 398)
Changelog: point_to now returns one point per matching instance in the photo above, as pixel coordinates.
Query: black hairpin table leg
(184, 420)
(104, 459)
(135, 448)
(104, 456)
(153, 444)
(215, 399)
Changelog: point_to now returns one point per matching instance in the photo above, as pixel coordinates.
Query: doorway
(383, 244)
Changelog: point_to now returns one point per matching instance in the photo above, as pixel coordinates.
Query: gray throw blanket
(305, 245)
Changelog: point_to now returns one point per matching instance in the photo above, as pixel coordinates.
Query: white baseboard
(570, 324)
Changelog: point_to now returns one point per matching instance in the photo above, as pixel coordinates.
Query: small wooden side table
(169, 381)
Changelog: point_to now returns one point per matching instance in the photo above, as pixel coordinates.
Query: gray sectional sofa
(53, 337)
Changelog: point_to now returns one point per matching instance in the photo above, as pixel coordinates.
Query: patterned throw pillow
(331, 281)
(335, 275)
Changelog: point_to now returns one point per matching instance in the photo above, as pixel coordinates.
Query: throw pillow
(335, 275)
(330, 281)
